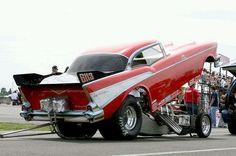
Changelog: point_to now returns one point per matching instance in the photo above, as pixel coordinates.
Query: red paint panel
(76, 97)
(112, 107)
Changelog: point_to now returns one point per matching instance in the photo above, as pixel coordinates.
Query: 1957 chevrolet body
(123, 91)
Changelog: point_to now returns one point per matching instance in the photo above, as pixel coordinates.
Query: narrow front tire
(203, 125)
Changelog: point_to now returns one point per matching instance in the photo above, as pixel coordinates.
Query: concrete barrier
(5, 100)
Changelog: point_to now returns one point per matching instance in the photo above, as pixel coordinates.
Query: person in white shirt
(222, 82)
(14, 98)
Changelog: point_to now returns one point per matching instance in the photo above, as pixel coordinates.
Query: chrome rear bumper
(69, 116)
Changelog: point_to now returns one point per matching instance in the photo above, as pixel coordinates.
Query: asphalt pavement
(10, 113)
(219, 143)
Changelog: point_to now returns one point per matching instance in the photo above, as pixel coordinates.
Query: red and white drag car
(123, 91)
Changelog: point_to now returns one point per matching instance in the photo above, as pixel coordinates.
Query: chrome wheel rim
(206, 125)
(130, 118)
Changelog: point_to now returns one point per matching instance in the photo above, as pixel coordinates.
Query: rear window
(99, 62)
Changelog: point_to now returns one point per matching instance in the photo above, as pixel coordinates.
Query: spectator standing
(223, 82)
(54, 69)
(14, 98)
(222, 93)
(214, 104)
(191, 99)
(204, 76)
(213, 79)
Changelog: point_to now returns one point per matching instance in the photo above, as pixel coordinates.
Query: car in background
(229, 112)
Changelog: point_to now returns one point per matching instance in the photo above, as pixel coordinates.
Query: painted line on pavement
(180, 152)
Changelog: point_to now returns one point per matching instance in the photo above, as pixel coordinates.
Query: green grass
(7, 126)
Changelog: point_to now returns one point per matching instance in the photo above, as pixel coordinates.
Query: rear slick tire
(126, 122)
(71, 131)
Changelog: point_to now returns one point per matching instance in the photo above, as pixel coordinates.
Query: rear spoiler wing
(30, 79)
(35, 79)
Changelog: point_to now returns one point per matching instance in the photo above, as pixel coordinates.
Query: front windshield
(99, 62)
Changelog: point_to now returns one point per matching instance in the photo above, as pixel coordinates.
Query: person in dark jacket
(214, 105)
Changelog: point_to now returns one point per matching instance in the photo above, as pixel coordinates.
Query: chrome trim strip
(105, 95)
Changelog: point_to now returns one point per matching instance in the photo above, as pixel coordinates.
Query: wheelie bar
(9, 134)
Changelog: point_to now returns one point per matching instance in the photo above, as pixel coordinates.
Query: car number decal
(86, 77)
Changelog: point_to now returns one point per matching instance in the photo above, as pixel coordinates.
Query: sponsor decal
(167, 99)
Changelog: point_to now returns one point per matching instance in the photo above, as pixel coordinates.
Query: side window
(139, 60)
(148, 56)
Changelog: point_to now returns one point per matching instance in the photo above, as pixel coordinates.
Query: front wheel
(203, 125)
(126, 123)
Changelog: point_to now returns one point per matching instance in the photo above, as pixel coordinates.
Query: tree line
(4, 91)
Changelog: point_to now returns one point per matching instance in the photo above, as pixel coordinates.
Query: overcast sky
(35, 35)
